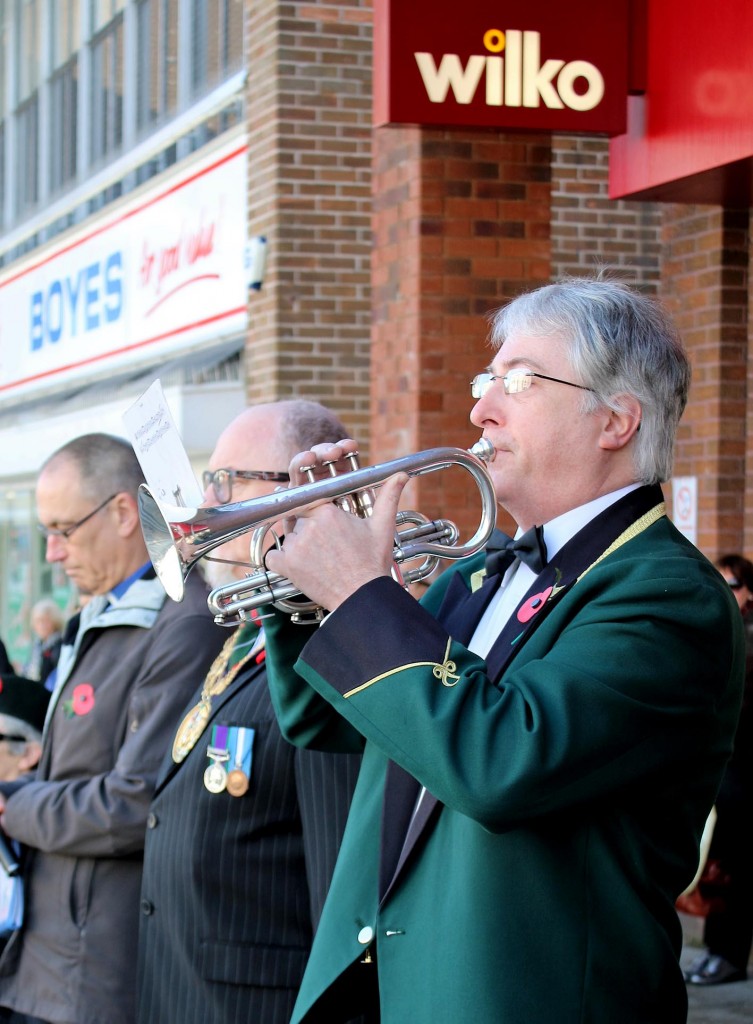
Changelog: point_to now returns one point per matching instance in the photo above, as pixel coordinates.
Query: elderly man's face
(87, 554)
(251, 442)
(547, 451)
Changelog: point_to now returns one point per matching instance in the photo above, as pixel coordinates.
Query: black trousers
(729, 931)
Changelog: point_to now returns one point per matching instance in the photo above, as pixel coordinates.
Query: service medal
(237, 782)
(241, 739)
(215, 778)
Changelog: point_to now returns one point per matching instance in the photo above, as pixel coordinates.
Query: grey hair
(307, 423)
(106, 464)
(51, 610)
(620, 343)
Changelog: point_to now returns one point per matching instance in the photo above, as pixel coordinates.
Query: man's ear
(127, 513)
(620, 427)
(30, 758)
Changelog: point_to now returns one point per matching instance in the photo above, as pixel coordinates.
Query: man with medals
(244, 828)
(545, 732)
(122, 678)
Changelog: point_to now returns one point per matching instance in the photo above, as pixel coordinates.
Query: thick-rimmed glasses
(515, 381)
(65, 534)
(221, 480)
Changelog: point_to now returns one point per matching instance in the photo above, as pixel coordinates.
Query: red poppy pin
(81, 702)
(534, 604)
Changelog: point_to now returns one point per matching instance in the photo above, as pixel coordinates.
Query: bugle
(176, 538)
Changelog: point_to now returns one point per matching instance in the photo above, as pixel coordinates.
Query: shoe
(711, 969)
(697, 966)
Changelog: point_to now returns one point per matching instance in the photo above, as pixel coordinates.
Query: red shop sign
(548, 66)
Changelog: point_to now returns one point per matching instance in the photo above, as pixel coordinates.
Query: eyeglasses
(49, 531)
(222, 480)
(515, 381)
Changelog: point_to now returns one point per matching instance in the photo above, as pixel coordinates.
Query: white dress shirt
(519, 577)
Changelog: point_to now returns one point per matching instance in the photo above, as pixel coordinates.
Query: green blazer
(569, 777)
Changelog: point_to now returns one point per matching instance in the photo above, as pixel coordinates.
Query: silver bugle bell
(176, 538)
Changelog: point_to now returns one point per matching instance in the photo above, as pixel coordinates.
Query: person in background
(133, 661)
(244, 829)
(23, 704)
(47, 621)
(545, 733)
(728, 930)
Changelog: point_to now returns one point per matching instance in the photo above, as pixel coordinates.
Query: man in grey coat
(132, 660)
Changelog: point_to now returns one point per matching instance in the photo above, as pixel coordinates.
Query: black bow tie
(501, 551)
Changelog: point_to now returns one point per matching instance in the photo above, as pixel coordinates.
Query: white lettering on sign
(517, 79)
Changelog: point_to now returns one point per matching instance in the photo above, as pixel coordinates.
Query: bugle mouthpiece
(483, 449)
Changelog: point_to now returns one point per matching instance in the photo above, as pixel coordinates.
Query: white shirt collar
(559, 531)
(519, 577)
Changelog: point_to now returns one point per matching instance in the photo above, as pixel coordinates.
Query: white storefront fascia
(155, 281)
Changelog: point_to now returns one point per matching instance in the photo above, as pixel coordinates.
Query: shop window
(107, 90)
(65, 34)
(27, 47)
(103, 11)
(157, 61)
(65, 41)
(217, 42)
(27, 107)
(63, 124)
(27, 145)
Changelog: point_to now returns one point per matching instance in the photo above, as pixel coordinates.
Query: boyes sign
(543, 67)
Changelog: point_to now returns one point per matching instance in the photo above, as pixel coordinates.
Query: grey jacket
(113, 713)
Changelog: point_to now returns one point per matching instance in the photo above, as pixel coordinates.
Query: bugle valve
(176, 538)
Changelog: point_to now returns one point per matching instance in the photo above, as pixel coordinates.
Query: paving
(717, 1004)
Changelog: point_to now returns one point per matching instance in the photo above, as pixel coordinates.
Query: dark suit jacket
(569, 776)
(233, 886)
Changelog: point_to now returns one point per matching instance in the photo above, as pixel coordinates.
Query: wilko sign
(544, 66)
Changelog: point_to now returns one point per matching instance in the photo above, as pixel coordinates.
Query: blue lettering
(92, 296)
(114, 286)
(74, 291)
(37, 322)
(80, 302)
(55, 317)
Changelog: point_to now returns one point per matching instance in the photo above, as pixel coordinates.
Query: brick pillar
(705, 285)
(590, 231)
(309, 192)
(461, 224)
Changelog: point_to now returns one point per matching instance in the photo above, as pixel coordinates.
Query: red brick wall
(705, 285)
(590, 231)
(378, 306)
(461, 224)
(309, 192)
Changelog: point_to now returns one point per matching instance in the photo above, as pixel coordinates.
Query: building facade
(123, 123)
